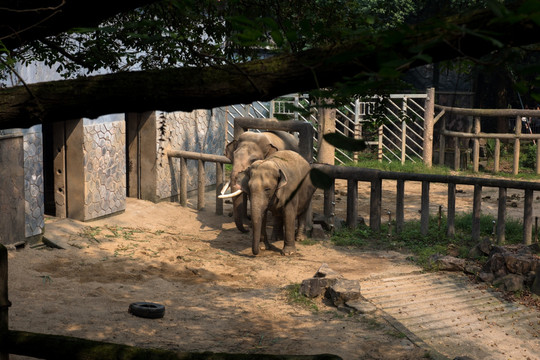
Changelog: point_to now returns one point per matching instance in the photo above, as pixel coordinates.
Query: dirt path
(218, 297)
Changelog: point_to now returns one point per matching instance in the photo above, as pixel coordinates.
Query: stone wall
(33, 182)
(198, 131)
(104, 152)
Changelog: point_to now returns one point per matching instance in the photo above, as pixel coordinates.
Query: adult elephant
(281, 184)
(248, 148)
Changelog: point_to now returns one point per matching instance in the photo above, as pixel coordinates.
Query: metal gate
(393, 125)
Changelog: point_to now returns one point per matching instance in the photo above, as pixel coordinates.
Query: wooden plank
(515, 167)
(375, 204)
(476, 145)
(400, 205)
(451, 214)
(528, 217)
(197, 156)
(442, 143)
(352, 203)
(501, 216)
(477, 207)
(457, 155)
(4, 301)
(424, 208)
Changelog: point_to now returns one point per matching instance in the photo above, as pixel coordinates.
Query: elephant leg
(264, 235)
(277, 229)
(301, 232)
(289, 217)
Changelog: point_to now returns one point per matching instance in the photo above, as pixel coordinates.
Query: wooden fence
(375, 177)
(477, 134)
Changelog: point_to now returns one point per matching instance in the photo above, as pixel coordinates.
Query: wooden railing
(219, 160)
(375, 177)
(477, 134)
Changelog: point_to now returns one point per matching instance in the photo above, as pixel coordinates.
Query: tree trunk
(327, 125)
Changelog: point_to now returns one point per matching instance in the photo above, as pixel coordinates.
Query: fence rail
(375, 177)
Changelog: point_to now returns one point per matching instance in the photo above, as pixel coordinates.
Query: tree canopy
(184, 55)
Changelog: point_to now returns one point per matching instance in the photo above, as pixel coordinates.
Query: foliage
(527, 156)
(295, 297)
(434, 242)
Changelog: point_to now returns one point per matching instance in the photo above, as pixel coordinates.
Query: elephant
(249, 147)
(280, 183)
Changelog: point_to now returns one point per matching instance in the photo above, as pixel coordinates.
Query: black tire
(147, 310)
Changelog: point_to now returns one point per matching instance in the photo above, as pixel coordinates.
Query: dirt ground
(218, 297)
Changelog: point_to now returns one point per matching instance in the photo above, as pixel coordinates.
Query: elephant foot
(288, 250)
(301, 237)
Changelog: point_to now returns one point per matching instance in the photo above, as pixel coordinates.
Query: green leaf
(320, 179)
(344, 142)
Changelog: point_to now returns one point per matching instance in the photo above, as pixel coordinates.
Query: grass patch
(295, 297)
(434, 242)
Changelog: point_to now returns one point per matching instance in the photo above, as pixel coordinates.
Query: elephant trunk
(238, 212)
(256, 219)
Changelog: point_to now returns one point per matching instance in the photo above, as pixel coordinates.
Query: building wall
(104, 152)
(198, 131)
(33, 181)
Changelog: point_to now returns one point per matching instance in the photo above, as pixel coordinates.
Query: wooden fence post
(477, 207)
(330, 203)
(380, 145)
(352, 203)
(516, 146)
(501, 216)
(375, 204)
(538, 158)
(183, 181)
(457, 154)
(4, 301)
(424, 208)
(219, 186)
(497, 156)
(200, 185)
(400, 204)
(528, 217)
(404, 132)
(451, 215)
(476, 144)
(428, 127)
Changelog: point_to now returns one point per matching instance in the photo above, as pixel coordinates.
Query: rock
(496, 265)
(339, 223)
(535, 248)
(486, 277)
(323, 221)
(520, 263)
(485, 246)
(511, 282)
(535, 288)
(452, 250)
(472, 268)
(475, 252)
(448, 263)
(362, 306)
(327, 272)
(316, 286)
(344, 291)
(317, 232)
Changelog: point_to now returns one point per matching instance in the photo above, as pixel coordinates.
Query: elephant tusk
(225, 187)
(227, 196)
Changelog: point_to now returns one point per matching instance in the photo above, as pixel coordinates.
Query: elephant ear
(283, 192)
(270, 149)
(230, 148)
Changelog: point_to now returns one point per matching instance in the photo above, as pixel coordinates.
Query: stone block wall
(104, 153)
(198, 131)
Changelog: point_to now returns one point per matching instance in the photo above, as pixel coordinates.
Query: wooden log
(59, 347)
(219, 186)
(198, 156)
(375, 204)
(403, 141)
(429, 111)
(515, 167)
(497, 156)
(477, 207)
(424, 208)
(528, 217)
(201, 184)
(442, 143)
(482, 135)
(352, 203)
(489, 112)
(4, 301)
(400, 205)
(451, 213)
(476, 145)
(380, 144)
(501, 216)
(183, 181)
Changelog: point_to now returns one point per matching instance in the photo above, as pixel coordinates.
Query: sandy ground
(218, 297)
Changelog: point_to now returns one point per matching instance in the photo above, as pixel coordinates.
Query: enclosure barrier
(375, 177)
(46, 346)
(477, 134)
(219, 160)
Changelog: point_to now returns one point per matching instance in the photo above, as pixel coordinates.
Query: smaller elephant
(281, 184)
